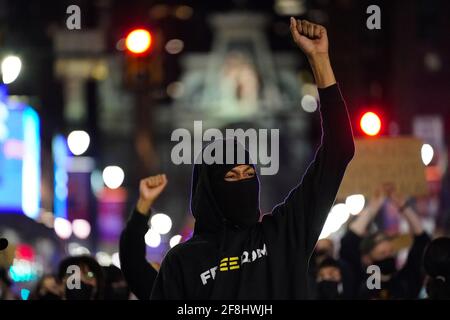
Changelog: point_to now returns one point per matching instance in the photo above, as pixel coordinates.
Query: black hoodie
(269, 259)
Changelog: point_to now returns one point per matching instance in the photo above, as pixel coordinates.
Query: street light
(10, 67)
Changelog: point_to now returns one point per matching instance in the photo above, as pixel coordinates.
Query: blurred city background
(83, 118)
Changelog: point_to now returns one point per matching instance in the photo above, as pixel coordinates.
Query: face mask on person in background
(387, 266)
(85, 292)
(329, 290)
(238, 200)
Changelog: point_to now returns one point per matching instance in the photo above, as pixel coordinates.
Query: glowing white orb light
(113, 177)
(174, 240)
(161, 223)
(309, 103)
(152, 238)
(78, 142)
(10, 67)
(81, 228)
(427, 154)
(115, 259)
(355, 203)
(103, 258)
(338, 215)
(63, 228)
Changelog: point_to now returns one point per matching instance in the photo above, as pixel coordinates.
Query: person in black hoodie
(234, 254)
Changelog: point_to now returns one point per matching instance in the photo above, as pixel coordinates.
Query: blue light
(3, 92)
(23, 271)
(60, 156)
(19, 159)
(24, 294)
(31, 177)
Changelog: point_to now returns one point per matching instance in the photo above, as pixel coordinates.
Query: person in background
(436, 262)
(323, 249)
(92, 280)
(116, 287)
(360, 250)
(325, 252)
(47, 288)
(329, 280)
(137, 271)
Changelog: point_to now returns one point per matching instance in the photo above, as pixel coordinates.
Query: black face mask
(85, 292)
(387, 266)
(49, 296)
(238, 200)
(329, 290)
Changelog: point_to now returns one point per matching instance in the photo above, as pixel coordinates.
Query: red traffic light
(370, 123)
(138, 41)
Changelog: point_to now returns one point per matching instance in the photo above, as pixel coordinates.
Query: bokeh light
(161, 223)
(113, 177)
(138, 41)
(427, 154)
(63, 228)
(81, 228)
(152, 238)
(78, 142)
(370, 124)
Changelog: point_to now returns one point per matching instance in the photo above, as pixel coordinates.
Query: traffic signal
(138, 41)
(370, 124)
(143, 59)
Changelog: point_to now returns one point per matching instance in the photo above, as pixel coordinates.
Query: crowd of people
(77, 278)
(367, 265)
(238, 253)
(343, 273)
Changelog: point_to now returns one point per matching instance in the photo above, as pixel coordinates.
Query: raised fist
(149, 190)
(311, 38)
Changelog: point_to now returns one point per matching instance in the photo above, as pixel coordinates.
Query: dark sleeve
(350, 252)
(412, 273)
(302, 215)
(137, 271)
(350, 255)
(168, 284)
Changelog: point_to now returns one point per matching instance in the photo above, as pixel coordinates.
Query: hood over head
(216, 202)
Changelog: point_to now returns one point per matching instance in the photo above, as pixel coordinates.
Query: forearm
(137, 271)
(143, 207)
(337, 136)
(362, 221)
(322, 70)
(413, 221)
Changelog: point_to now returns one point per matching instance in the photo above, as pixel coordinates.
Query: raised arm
(137, 271)
(313, 41)
(302, 215)
(412, 272)
(351, 241)
(359, 225)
